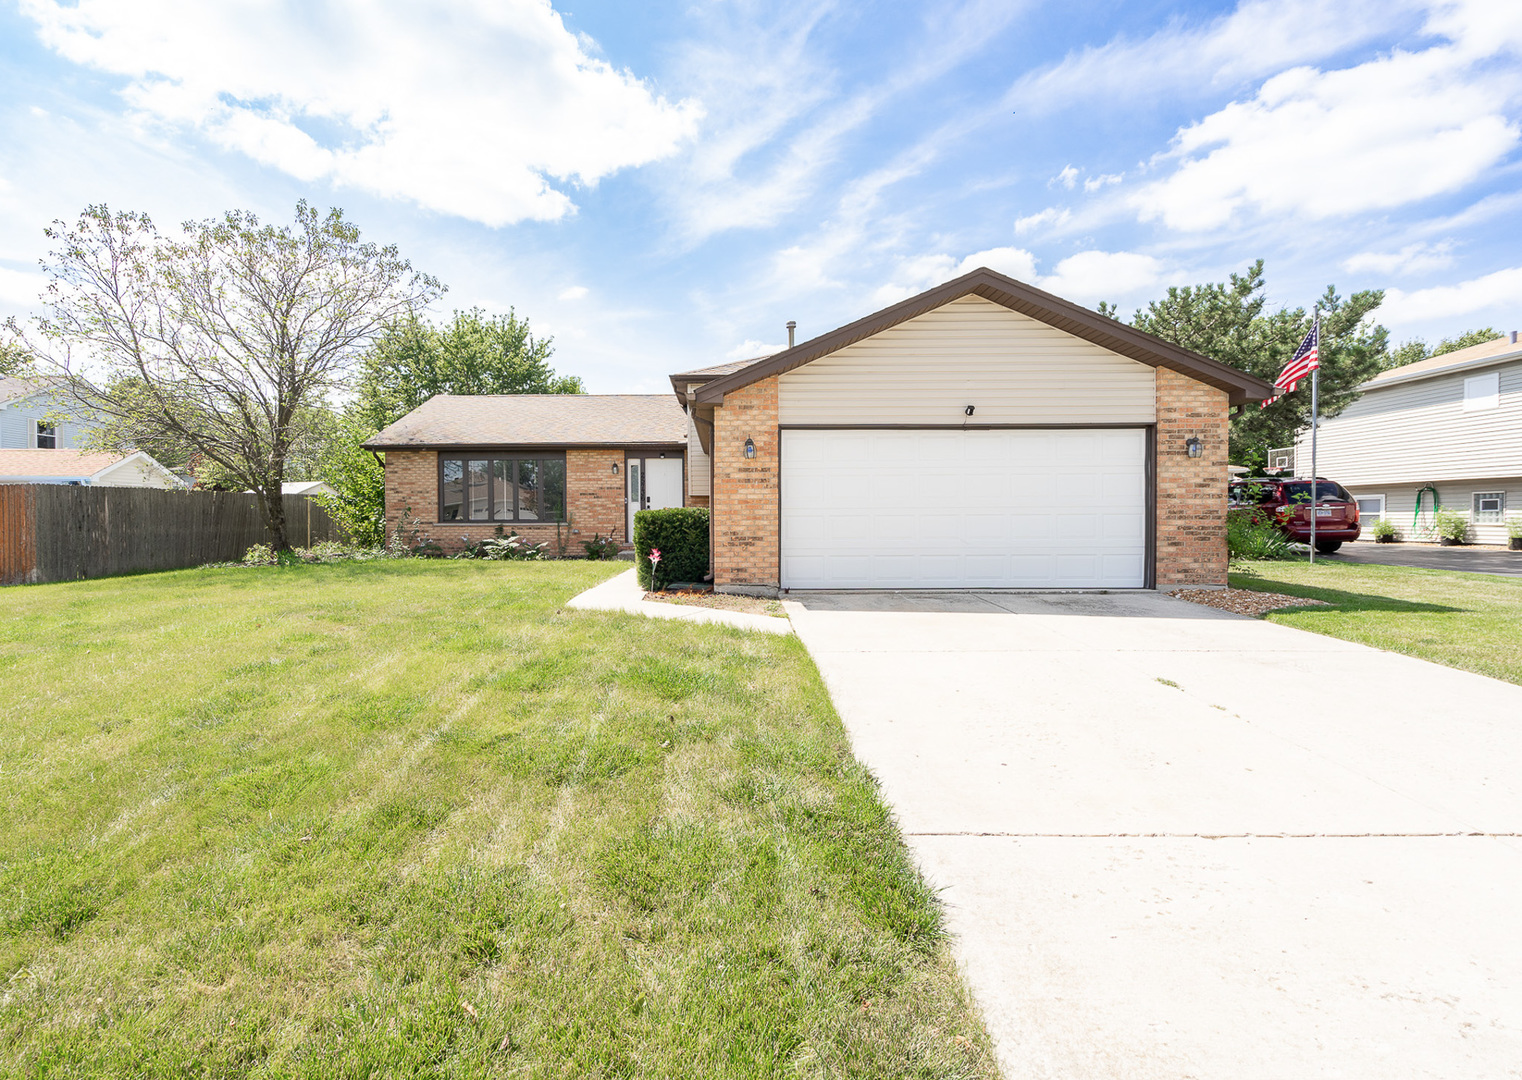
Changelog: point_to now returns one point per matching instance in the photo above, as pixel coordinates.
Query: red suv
(1289, 501)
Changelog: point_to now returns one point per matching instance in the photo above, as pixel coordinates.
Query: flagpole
(1315, 414)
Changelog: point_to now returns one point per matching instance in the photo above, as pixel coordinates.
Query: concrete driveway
(1175, 842)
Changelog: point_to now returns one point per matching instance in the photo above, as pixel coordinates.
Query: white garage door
(1061, 508)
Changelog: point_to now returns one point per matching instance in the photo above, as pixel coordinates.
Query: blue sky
(663, 185)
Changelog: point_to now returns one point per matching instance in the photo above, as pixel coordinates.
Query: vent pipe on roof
(792, 326)
(1513, 337)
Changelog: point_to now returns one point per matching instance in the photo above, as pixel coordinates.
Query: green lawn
(1469, 621)
(413, 819)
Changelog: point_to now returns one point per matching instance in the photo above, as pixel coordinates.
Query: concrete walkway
(622, 593)
(1175, 842)
(1470, 558)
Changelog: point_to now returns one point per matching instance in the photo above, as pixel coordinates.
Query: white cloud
(915, 275)
(1067, 178)
(777, 115)
(574, 292)
(1497, 291)
(750, 348)
(1411, 259)
(1050, 216)
(1085, 277)
(1091, 276)
(1316, 144)
(1258, 38)
(20, 288)
(1094, 183)
(485, 110)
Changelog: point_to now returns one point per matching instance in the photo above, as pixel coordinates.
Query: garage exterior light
(750, 448)
(1194, 446)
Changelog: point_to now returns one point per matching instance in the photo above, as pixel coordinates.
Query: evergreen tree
(1230, 322)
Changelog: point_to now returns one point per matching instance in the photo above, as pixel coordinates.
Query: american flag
(1307, 359)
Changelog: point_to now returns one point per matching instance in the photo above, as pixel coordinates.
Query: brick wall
(594, 497)
(1191, 492)
(745, 545)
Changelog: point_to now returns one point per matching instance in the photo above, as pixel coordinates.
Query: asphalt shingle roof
(13, 387)
(538, 419)
(1500, 346)
(62, 464)
(718, 369)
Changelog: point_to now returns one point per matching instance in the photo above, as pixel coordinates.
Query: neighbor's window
(47, 436)
(1482, 392)
(1371, 507)
(1489, 507)
(491, 487)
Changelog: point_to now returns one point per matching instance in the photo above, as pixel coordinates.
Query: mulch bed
(1245, 601)
(751, 605)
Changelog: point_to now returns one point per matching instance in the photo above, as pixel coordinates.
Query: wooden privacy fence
(59, 532)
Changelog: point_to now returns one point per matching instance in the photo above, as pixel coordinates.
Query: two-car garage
(964, 509)
(981, 435)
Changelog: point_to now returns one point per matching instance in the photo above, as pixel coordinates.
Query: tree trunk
(273, 509)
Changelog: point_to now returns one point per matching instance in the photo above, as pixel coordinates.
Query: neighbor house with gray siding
(34, 416)
(1449, 425)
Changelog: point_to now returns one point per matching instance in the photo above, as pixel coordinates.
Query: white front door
(936, 509)
(654, 484)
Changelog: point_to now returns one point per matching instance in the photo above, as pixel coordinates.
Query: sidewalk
(622, 593)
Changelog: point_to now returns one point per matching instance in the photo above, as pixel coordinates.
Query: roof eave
(1433, 373)
(1017, 296)
(580, 444)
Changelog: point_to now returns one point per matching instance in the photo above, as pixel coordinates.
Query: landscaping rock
(1245, 601)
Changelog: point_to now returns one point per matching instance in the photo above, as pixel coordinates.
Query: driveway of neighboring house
(1175, 842)
(1469, 558)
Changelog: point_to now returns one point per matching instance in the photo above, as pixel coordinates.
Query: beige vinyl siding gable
(133, 473)
(926, 370)
(1419, 432)
(697, 462)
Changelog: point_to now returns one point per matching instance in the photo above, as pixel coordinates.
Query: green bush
(1251, 534)
(513, 548)
(600, 547)
(1451, 525)
(681, 535)
(1382, 527)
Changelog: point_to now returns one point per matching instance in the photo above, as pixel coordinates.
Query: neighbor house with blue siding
(35, 416)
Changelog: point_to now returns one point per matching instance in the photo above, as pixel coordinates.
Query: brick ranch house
(983, 434)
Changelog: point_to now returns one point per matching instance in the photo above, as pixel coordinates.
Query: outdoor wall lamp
(750, 448)
(1194, 446)
(969, 410)
(615, 468)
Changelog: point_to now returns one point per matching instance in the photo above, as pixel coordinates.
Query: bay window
(501, 486)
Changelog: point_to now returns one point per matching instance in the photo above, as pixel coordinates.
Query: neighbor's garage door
(1063, 508)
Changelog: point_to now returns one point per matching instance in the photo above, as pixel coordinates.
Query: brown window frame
(539, 457)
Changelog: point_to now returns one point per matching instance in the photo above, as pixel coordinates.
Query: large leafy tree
(13, 359)
(471, 354)
(412, 361)
(221, 340)
(1409, 352)
(1230, 321)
